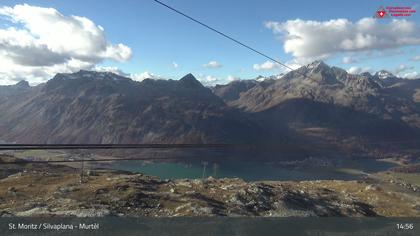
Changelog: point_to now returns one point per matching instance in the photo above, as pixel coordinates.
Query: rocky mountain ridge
(93, 107)
(102, 107)
(382, 95)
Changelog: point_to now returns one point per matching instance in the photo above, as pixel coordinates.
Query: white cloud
(416, 58)
(144, 75)
(111, 69)
(406, 72)
(231, 78)
(268, 65)
(210, 80)
(42, 42)
(175, 65)
(213, 64)
(348, 60)
(411, 75)
(294, 64)
(402, 68)
(357, 70)
(134, 76)
(321, 39)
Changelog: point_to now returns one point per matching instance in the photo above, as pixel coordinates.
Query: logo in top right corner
(394, 11)
(381, 13)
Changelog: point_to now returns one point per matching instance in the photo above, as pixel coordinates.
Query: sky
(140, 39)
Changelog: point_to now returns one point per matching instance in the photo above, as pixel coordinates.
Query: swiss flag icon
(381, 13)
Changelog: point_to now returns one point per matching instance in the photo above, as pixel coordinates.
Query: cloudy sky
(142, 39)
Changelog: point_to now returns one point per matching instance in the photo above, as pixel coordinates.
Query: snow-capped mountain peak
(383, 74)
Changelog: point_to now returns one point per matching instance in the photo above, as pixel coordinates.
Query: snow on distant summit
(383, 74)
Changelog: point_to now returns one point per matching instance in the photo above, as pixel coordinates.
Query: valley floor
(43, 190)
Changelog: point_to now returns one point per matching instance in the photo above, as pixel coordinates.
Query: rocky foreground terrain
(45, 190)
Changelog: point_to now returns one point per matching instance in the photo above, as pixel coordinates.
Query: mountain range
(312, 102)
(96, 107)
(317, 95)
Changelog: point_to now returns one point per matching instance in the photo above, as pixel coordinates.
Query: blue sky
(158, 37)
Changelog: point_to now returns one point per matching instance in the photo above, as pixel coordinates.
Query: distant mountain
(98, 107)
(320, 95)
(232, 91)
(311, 104)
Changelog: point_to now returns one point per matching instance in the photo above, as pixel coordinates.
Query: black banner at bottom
(198, 226)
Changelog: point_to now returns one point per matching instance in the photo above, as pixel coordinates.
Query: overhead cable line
(228, 37)
(115, 146)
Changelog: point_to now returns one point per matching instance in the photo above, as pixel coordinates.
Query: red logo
(380, 13)
(394, 11)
